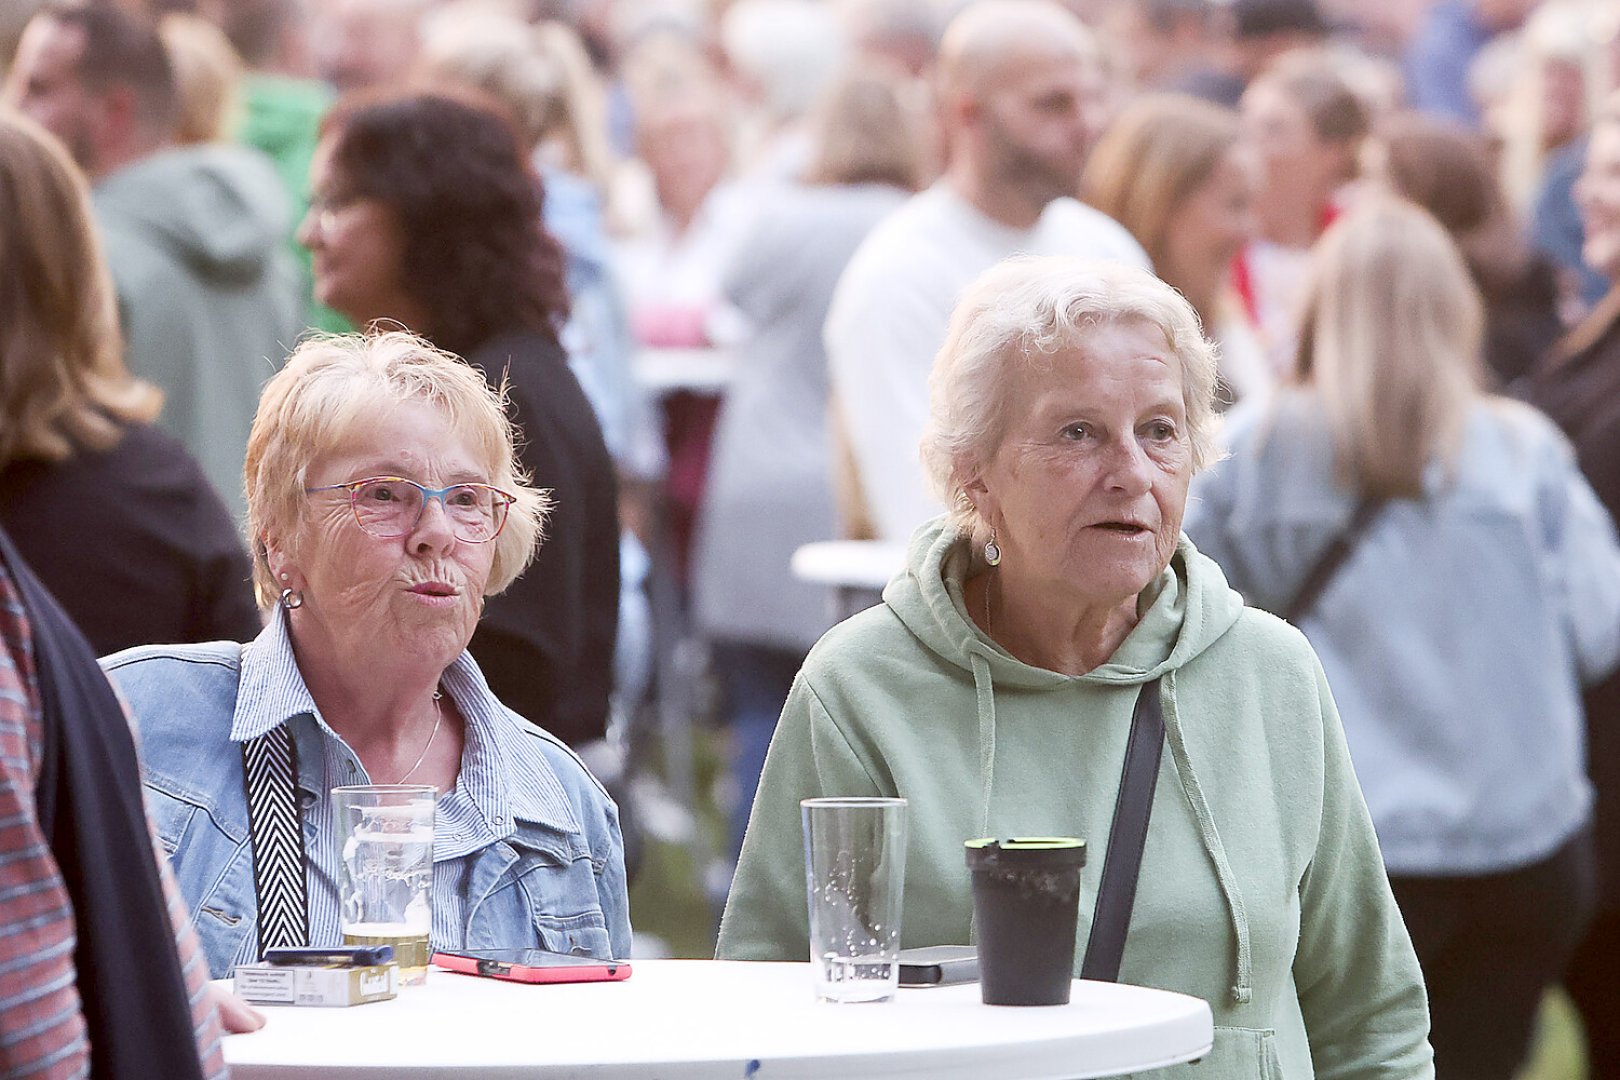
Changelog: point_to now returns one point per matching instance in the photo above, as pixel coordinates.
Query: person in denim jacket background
(1457, 633)
(381, 577)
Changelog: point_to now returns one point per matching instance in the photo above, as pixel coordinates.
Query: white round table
(855, 570)
(688, 1019)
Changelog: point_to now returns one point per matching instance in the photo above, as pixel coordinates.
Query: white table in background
(662, 371)
(855, 570)
(700, 1019)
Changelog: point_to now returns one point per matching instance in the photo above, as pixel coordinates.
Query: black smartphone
(939, 965)
(332, 956)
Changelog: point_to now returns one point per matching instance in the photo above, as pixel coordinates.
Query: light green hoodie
(208, 298)
(1262, 889)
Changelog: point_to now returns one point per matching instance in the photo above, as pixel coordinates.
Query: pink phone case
(510, 971)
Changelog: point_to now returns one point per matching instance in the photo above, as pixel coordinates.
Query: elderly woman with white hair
(384, 504)
(995, 689)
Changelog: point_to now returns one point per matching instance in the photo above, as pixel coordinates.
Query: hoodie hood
(1184, 611)
(220, 209)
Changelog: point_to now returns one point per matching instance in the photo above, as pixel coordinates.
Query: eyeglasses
(389, 506)
(326, 209)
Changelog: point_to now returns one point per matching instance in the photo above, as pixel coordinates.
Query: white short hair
(1027, 308)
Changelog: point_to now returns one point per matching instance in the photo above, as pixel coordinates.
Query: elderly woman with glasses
(384, 505)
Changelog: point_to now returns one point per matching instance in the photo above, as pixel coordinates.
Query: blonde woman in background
(1560, 74)
(1175, 171)
(770, 489)
(1480, 587)
(672, 255)
(208, 75)
(1556, 226)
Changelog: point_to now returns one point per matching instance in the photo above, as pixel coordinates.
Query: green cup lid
(1029, 843)
(1025, 853)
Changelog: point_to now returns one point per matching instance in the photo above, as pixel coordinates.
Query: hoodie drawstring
(984, 689)
(1242, 988)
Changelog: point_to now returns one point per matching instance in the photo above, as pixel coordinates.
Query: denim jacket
(527, 849)
(1457, 635)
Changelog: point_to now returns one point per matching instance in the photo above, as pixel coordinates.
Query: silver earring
(291, 599)
(992, 550)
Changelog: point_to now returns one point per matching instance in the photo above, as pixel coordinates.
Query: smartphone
(532, 966)
(334, 956)
(939, 965)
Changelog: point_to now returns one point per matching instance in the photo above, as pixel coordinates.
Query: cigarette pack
(314, 984)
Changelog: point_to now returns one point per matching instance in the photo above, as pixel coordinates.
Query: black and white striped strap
(270, 774)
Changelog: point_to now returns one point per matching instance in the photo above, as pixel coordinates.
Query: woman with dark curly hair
(425, 212)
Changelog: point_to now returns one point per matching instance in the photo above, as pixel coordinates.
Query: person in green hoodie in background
(994, 688)
(208, 296)
(282, 106)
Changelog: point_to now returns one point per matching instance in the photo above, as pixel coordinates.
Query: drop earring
(992, 550)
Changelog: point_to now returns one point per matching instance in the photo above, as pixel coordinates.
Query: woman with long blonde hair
(1459, 580)
(114, 516)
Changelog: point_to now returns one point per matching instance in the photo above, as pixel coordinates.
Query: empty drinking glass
(855, 872)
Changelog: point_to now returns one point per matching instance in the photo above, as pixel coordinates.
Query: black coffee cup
(1026, 904)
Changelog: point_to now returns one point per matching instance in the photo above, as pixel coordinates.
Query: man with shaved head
(1021, 92)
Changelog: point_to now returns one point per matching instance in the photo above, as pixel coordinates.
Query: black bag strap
(1116, 894)
(1333, 557)
(270, 778)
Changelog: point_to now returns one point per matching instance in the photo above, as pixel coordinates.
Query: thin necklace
(438, 718)
(987, 632)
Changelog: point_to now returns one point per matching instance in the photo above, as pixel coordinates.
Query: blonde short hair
(1029, 308)
(328, 389)
(866, 131)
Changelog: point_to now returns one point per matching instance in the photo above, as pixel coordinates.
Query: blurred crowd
(585, 198)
